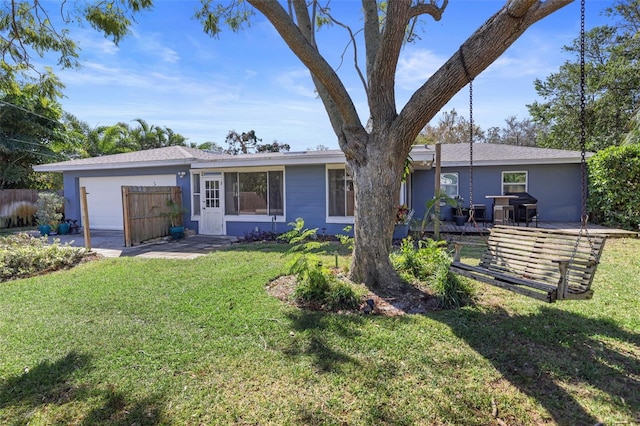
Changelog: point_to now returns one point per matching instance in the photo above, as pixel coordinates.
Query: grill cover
(521, 212)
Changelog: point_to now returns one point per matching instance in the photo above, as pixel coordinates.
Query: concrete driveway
(111, 244)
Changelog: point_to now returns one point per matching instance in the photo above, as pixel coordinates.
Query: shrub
(319, 288)
(614, 186)
(22, 255)
(428, 261)
(298, 235)
(49, 209)
(254, 236)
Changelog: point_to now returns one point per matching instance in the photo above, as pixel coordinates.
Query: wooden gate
(145, 212)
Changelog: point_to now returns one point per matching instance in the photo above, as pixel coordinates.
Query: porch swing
(544, 264)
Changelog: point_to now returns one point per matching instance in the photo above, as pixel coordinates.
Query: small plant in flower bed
(428, 261)
(318, 286)
(22, 255)
(254, 236)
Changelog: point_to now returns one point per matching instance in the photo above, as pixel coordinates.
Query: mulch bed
(413, 301)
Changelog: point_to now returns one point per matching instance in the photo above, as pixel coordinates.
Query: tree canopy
(27, 31)
(248, 142)
(29, 134)
(612, 72)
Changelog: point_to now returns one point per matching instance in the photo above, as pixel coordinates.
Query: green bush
(318, 287)
(614, 187)
(428, 261)
(22, 255)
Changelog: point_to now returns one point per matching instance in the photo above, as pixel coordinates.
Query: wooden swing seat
(544, 264)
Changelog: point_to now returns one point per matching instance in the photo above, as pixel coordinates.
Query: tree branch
(381, 95)
(371, 33)
(429, 9)
(355, 48)
(479, 51)
(336, 94)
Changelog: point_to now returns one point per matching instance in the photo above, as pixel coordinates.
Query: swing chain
(584, 218)
(471, 208)
(583, 120)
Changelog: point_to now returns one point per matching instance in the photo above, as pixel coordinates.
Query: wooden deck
(483, 229)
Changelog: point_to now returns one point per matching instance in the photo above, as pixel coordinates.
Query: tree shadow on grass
(318, 327)
(46, 383)
(53, 383)
(116, 409)
(543, 354)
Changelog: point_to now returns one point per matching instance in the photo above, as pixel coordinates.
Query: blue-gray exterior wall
(72, 187)
(305, 189)
(557, 188)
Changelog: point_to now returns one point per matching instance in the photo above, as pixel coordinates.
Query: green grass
(149, 341)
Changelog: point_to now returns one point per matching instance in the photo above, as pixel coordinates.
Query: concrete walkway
(111, 244)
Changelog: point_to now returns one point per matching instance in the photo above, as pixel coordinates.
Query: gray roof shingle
(452, 155)
(170, 155)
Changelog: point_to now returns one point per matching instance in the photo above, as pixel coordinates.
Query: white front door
(212, 206)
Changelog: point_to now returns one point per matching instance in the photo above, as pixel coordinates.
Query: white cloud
(96, 45)
(297, 81)
(415, 67)
(152, 45)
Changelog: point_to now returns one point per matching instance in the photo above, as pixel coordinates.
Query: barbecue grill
(525, 207)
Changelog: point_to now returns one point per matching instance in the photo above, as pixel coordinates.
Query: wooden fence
(17, 207)
(145, 212)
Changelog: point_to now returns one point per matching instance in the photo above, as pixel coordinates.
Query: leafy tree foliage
(612, 68)
(634, 130)
(275, 146)
(247, 142)
(29, 133)
(26, 30)
(30, 129)
(614, 185)
(241, 143)
(208, 146)
(451, 128)
(118, 138)
(149, 136)
(515, 132)
(454, 128)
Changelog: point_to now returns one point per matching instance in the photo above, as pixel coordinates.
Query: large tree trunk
(377, 189)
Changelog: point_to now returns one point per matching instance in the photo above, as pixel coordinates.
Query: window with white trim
(514, 182)
(195, 194)
(449, 184)
(341, 195)
(254, 193)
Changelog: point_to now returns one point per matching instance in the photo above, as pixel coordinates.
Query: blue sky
(169, 73)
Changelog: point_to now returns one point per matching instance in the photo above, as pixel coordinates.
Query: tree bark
(377, 188)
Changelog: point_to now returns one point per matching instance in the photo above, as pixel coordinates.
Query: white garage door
(104, 196)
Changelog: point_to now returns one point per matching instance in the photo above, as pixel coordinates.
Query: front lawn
(154, 341)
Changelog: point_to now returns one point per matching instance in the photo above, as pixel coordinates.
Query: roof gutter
(61, 167)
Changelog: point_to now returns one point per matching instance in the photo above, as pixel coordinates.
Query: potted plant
(459, 217)
(174, 213)
(403, 217)
(48, 212)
